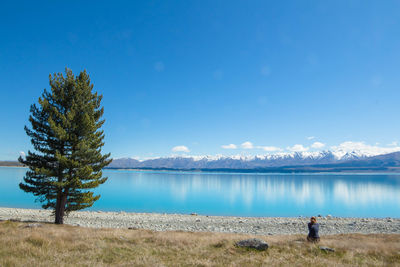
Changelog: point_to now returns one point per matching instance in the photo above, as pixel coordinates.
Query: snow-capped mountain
(244, 162)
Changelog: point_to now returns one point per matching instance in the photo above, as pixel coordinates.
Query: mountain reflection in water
(263, 194)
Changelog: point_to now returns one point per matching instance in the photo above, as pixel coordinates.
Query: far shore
(269, 171)
(240, 172)
(202, 223)
(11, 164)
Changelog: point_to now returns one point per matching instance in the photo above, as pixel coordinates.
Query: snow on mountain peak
(360, 149)
(344, 152)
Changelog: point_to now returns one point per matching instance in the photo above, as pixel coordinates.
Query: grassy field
(54, 245)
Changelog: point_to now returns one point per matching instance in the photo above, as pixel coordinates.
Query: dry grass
(54, 245)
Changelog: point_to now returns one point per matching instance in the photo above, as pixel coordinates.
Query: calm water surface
(351, 195)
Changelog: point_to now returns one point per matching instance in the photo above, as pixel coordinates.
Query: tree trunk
(60, 208)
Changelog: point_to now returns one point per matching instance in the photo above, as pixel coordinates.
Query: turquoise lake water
(348, 195)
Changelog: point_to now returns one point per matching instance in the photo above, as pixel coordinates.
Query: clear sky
(199, 75)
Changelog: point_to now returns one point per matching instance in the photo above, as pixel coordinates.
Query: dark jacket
(313, 230)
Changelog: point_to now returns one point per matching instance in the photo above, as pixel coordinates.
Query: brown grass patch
(54, 245)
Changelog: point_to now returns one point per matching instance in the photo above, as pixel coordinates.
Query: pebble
(182, 222)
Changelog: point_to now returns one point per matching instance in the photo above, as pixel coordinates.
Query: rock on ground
(253, 243)
(327, 249)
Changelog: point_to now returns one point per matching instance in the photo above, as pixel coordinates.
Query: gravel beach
(200, 223)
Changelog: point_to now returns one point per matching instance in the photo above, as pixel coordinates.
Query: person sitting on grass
(313, 228)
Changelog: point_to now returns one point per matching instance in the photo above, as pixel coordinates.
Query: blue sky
(205, 74)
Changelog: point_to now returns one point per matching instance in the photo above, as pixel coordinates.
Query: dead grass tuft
(69, 246)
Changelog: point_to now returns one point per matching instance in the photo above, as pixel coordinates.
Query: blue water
(349, 195)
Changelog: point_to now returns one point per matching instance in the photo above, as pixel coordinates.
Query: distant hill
(11, 164)
(325, 161)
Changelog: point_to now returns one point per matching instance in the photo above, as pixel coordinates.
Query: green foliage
(67, 137)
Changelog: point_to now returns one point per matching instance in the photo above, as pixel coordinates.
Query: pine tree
(67, 138)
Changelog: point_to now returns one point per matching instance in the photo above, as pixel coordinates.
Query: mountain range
(322, 161)
(280, 162)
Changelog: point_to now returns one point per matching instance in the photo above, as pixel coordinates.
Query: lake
(347, 195)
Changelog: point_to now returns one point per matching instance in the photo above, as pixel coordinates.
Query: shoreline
(203, 223)
(250, 173)
(233, 171)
